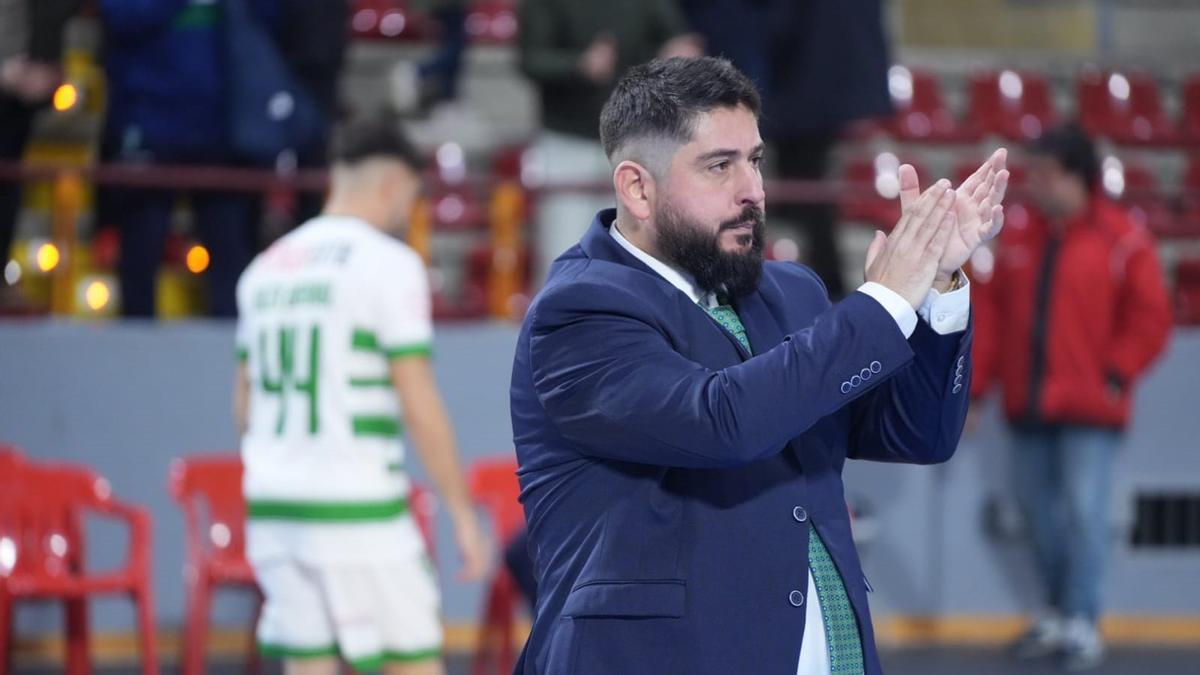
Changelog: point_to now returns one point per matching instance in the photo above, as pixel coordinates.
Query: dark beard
(690, 247)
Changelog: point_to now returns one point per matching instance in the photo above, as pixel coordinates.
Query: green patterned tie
(841, 626)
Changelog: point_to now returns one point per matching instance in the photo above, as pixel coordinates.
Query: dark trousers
(442, 69)
(807, 158)
(16, 119)
(224, 225)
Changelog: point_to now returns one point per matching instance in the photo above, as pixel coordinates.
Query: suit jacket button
(845, 387)
(800, 514)
(865, 374)
(855, 381)
(796, 598)
(876, 366)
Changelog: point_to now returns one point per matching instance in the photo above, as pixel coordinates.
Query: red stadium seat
(921, 112)
(1137, 188)
(1015, 105)
(456, 208)
(1187, 291)
(875, 190)
(43, 507)
(208, 488)
(386, 20)
(492, 21)
(1125, 107)
(1190, 126)
(1189, 222)
(493, 485)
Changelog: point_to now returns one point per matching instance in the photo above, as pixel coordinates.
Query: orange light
(48, 257)
(65, 97)
(197, 259)
(97, 295)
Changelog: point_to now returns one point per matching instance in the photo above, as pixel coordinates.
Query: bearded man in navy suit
(682, 411)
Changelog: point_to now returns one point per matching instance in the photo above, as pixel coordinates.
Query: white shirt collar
(677, 278)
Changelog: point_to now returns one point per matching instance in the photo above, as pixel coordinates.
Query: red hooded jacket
(1068, 321)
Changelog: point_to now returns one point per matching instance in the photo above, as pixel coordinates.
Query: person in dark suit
(817, 88)
(682, 411)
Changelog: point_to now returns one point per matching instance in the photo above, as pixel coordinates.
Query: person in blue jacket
(682, 411)
(167, 96)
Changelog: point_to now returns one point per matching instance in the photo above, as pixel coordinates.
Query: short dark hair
(663, 97)
(1074, 151)
(377, 136)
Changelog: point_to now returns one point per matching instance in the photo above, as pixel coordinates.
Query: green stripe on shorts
(365, 664)
(275, 651)
(411, 656)
(326, 511)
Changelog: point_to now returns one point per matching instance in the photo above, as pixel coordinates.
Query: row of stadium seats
(1124, 107)
(487, 21)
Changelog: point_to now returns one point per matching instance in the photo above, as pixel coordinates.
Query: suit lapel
(762, 329)
(728, 336)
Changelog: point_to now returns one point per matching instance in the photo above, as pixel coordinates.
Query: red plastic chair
(208, 488)
(1125, 107)
(493, 485)
(43, 555)
(1190, 124)
(921, 111)
(1016, 105)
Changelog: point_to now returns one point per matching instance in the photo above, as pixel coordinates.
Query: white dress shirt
(945, 312)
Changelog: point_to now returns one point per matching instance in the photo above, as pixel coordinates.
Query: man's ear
(635, 189)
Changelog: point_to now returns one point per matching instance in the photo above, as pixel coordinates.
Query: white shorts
(368, 614)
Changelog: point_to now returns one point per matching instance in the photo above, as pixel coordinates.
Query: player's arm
(241, 398)
(429, 428)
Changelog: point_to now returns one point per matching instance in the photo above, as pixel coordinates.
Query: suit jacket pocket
(658, 598)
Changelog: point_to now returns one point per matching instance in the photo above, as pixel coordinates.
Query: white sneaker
(1082, 647)
(1043, 637)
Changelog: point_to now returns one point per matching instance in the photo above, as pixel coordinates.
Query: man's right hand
(598, 63)
(906, 261)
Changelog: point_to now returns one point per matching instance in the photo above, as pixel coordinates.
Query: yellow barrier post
(68, 203)
(420, 229)
(504, 283)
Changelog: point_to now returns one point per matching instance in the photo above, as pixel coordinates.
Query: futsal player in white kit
(334, 341)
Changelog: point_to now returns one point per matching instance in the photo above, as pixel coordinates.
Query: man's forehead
(725, 129)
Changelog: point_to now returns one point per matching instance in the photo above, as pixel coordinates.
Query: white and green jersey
(323, 311)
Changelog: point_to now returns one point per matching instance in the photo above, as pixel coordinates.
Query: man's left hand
(980, 214)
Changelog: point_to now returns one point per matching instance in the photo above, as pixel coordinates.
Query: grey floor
(924, 661)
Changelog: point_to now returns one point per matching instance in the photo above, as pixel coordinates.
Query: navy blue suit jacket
(669, 478)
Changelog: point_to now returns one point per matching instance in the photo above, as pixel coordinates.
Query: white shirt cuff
(948, 313)
(895, 304)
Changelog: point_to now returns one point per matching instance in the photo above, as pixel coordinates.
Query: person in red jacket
(1075, 312)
